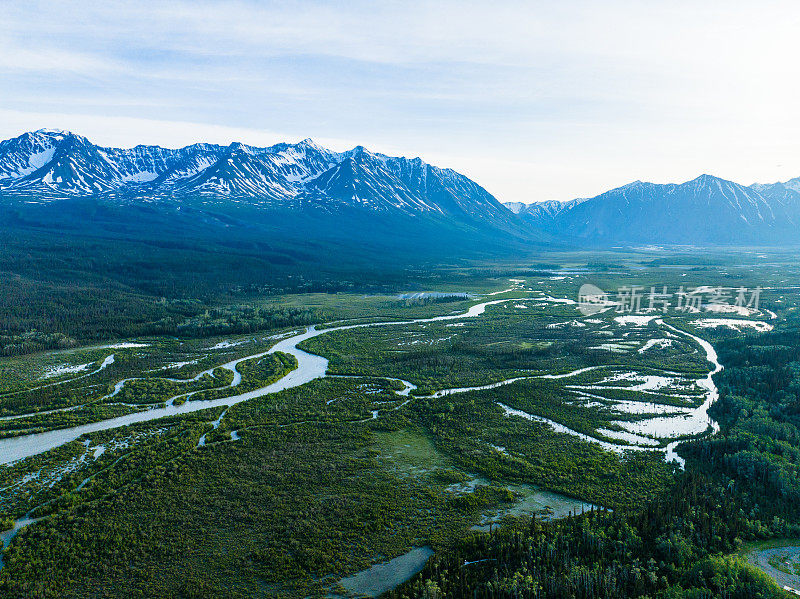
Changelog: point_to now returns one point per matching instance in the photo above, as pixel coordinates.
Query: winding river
(311, 367)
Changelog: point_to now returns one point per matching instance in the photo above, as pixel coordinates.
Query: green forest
(743, 485)
(288, 493)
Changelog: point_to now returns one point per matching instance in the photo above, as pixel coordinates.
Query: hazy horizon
(532, 101)
(348, 148)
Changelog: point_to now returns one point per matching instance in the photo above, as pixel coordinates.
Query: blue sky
(533, 100)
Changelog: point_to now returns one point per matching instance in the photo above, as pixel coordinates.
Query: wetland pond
(383, 577)
(530, 501)
(780, 561)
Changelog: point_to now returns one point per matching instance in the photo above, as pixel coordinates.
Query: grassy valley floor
(425, 434)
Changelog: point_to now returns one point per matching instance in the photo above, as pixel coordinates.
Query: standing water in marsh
(381, 578)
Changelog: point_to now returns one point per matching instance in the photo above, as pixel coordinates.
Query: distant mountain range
(52, 164)
(303, 190)
(287, 204)
(541, 213)
(704, 211)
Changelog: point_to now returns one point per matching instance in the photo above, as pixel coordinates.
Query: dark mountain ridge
(704, 211)
(51, 164)
(291, 207)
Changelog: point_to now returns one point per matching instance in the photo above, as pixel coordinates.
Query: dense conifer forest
(740, 486)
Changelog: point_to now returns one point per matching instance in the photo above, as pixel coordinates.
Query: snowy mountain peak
(238, 146)
(53, 165)
(706, 209)
(710, 181)
(705, 178)
(358, 152)
(310, 143)
(515, 207)
(793, 184)
(53, 132)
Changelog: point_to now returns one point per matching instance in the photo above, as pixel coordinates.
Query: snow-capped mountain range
(52, 164)
(48, 165)
(541, 211)
(705, 210)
